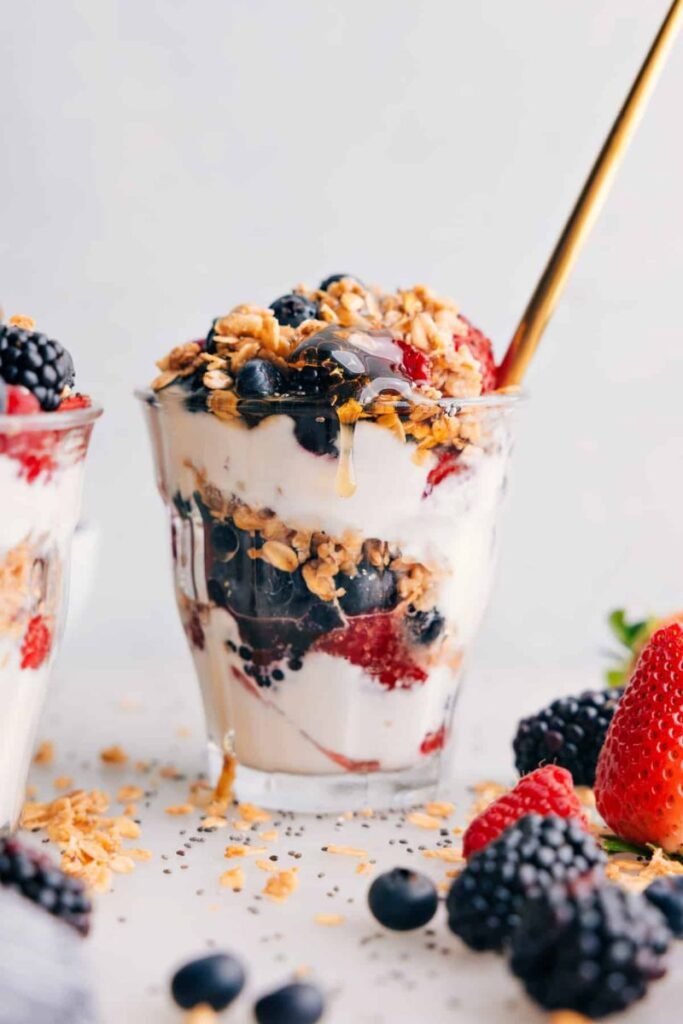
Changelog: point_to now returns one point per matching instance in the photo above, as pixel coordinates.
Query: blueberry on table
(298, 1003)
(259, 378)
(216, 980)
(667, 895)
(402, 899)
(333, 278)
(291, 310)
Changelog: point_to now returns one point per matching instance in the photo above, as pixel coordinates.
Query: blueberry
(425, 627)
(369, 590)
(667, 895)
(318, 434)
(291, 310)
(224, 540)
(259, 378)
(324, 285)
(299, 1003)
(403, 899)
(215, 979)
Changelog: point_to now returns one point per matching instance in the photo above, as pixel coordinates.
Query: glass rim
(492, 399)
(50, 420)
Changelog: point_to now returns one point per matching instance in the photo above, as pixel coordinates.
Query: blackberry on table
(291, 310)
(36, 362)
(593, 950)
(485, 901)
(569, 732)
(36, 877)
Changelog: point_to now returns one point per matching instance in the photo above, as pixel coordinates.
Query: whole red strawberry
(639, 780)
(548, 790)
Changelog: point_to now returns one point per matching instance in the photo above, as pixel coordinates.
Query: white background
(162, 161)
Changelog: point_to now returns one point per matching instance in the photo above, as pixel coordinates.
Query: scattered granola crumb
(240, 826)
(346, 851)
(130, 703)
(266, 865)
(128, 793)
(632, 873)
(329, 920)
(568, 1017)
(183, 731)
(63, 782)
(201, 793)
(366, 812)
(45, 753)
(131, 810)
(91, 842)
(271, 836)
(143, 767)
(232, 879)
(140, 854)
(486, 793)
(31, 791)
(364, 868)
(214, 821)
(177, 810)
(251, 813)
(202, 1014)
(238, 850)
(440, 808)
(423, 820)
(280, 886)
(169, 771)
(114, 755)
(447, 854)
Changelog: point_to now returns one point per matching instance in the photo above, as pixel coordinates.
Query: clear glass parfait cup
(330, 579)
(41, 470)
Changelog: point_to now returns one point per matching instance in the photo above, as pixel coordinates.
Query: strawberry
(548, 790)
(37, 643)
(639, 780)
(377, 644)
(482, 350)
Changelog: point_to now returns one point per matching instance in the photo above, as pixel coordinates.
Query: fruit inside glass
(330, 576)
(41, 471)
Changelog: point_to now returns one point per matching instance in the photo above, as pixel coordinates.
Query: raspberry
(75, 402)
(415, 363)
(448, 464)
(36, 877)
(570, 732)
(487, 898)
(378, 644)
(546, 791)
(37, 643)
(593, 950)
(20, 401)
(433, 741)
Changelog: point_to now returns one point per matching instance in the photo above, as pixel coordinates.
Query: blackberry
(485, 901)
(667, 895)
(593, 950)
(35, 362)
(35, 876)
(570, 732)
(291, 310)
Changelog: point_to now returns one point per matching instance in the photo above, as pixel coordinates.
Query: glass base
(329, 794)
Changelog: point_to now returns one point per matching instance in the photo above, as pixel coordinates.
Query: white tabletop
(173, 908)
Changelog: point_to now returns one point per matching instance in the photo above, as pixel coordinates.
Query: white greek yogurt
(330, 716)
(37, 521)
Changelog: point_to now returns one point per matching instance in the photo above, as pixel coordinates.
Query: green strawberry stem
(631, 637)
(613, 844)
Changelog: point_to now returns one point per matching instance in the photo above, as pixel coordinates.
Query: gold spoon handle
(549, 288)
